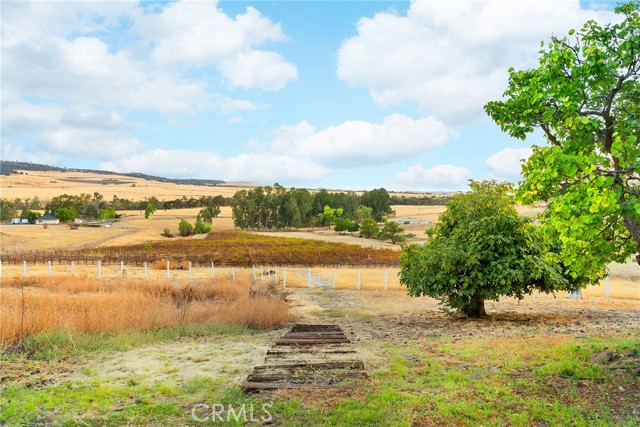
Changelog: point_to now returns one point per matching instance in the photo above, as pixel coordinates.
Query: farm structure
(48, 220)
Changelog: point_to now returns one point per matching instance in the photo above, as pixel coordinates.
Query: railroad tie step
(333, 366)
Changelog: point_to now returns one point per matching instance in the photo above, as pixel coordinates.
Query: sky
(320, 94)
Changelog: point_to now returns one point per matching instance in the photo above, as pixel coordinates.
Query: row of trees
(68, 207)
(276, 208)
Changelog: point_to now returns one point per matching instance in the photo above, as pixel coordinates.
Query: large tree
(482, 249)
(584, 97)
(379, 201)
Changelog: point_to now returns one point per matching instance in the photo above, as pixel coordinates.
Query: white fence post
(24, 269)
(168, 268)
(254, 272)
(99, 269)
(49, 267)
(145, 269)
(386, 279)
(213, 270)
(190, 272)
(309, 277)
(358, 279)
(121, 269)
(73, 267)
(261, 276)
(284, 277)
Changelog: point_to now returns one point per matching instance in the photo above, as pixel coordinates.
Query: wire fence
(289, 277)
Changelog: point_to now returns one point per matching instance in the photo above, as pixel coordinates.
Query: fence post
(145, 269)
(254, 272)
(261, 277)
(233, 274)
(284, 277)
(49, 267)
(73, 267)
(309, 277)
(190, 273)
(386, 279)
(358, 279)
(99, 269)
(121, 269)
(24, 269)
(607, 286)
(213, 271)
(168, 267)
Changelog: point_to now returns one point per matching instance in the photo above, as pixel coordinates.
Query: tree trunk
(475, 309)
(634, 230)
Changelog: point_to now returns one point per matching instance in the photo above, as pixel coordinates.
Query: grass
(63, 343)
(80, 304)
(421, 383)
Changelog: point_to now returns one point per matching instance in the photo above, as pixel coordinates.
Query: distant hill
(8, 168)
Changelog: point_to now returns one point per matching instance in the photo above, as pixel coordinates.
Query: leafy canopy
(149, 210)
(585, 98)
(482, 249)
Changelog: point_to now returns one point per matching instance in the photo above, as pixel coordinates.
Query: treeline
(97, 207)
(278, 208)
(431, 200)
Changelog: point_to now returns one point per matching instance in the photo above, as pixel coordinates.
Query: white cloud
(94, 143)
(73, 71)
(67, 59)
(85, 71)
(198, 34)
(22, 154)
(451, 57)
(419, 178)
(507, 163)
(230, 105)
(264, 167)
(20, 117)
(360, 143)
(265, 70)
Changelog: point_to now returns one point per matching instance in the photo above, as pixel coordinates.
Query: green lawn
(539, 380)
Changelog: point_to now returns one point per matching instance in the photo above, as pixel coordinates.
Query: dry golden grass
(133, 228)
(47, 185)
(81, 304)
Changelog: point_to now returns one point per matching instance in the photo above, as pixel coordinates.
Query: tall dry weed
(86, 305)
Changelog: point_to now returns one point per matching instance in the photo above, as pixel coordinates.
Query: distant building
(408, 221)
(15, 221)
(48, 219)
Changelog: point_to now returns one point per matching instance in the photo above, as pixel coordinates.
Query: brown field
(84, 304)
(47, 185)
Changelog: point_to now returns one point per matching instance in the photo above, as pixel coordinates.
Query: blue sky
(334, 94)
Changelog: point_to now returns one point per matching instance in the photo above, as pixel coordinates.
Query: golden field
(47, 185)
(83, 304)
(133, 228)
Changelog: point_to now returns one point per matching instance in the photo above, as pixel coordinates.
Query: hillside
(8, 168)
